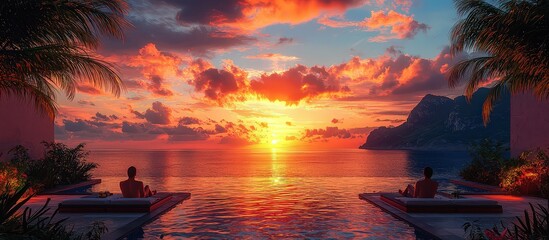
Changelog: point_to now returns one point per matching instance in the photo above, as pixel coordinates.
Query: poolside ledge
(449, 225)
(119, 224)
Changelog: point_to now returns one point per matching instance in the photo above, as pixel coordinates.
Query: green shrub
(15, 224)
(487, 162)
(61, 165)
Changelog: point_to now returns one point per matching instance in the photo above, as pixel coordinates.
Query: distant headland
(442, 123)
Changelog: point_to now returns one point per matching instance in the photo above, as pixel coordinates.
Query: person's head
(131, 172)
(428, 172)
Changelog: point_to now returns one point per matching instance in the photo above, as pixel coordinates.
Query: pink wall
(22, 124)
(529, 123)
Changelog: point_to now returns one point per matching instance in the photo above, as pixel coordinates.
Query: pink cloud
(390, 25)
(296, 84)
(155, 66)
(220, 85)
(273, 57)
(86, 88)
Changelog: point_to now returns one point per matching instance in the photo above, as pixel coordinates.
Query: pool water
(263, 194)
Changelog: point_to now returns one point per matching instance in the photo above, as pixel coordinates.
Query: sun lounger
(115, 203)
(441, 205)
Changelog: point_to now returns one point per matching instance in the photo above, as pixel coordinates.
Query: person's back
(426, 188)
(131, 188)
(134, 189)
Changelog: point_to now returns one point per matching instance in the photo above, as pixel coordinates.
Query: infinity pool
(262, 195)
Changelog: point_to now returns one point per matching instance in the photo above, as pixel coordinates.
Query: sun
(274, 141)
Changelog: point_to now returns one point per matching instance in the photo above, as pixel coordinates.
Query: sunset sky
(261, 73)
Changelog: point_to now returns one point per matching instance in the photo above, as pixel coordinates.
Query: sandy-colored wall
(529, 123)
(22, 124)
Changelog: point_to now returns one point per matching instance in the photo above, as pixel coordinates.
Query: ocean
(276, 193)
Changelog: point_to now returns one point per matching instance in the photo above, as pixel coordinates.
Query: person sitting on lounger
(134, 189)
(425, 188)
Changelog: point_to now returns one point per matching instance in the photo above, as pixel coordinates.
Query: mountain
(442, 123)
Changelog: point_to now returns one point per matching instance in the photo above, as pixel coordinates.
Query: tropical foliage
(48, 44)
(533, 225)
(511, 43)
(487, 162)
(27, 224)
(530, 176)
(61, 165)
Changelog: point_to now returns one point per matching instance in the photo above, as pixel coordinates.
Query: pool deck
(118, 224)
(449, 225)
(489, 188)
(62, 190)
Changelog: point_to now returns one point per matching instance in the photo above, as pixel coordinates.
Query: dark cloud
(393, 50)
(220, 129)
(85, 88)
(102, 117)
(189, 121)
(136, 98)
(128, 127)
(155, 85)
(285, 40)
(289, 123)
(185, 133)
(207, 12)
(80, 125)
(320, 134)
(329, 132)
(199, 41)
(132, 84)
(390, 120)
(398, 113)
(235, 140)
(335, 120)
(220, 85)
(84, 102)
(158, 114)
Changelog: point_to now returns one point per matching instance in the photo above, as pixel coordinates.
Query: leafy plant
(530, 176)
(36, 225)
(534, 227)
(488, 160)
(473, 231)
(530, 226)
(61, 165)
(98, 228)
(10, 203)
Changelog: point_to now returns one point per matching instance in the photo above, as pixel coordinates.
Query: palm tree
(48, 44)
(511, 40)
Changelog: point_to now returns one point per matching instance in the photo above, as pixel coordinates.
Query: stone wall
(22, 124)
(529, 123)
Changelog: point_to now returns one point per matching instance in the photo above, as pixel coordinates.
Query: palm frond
(515, 36)
(48, 44)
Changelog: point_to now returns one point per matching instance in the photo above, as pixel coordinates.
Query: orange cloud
(156, 66)
(273, 57)
(296, 84)
(391, 25)
(89, 89)
(220, 85)
(357, 79)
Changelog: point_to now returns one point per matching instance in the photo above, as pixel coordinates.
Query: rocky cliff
(441, 123)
